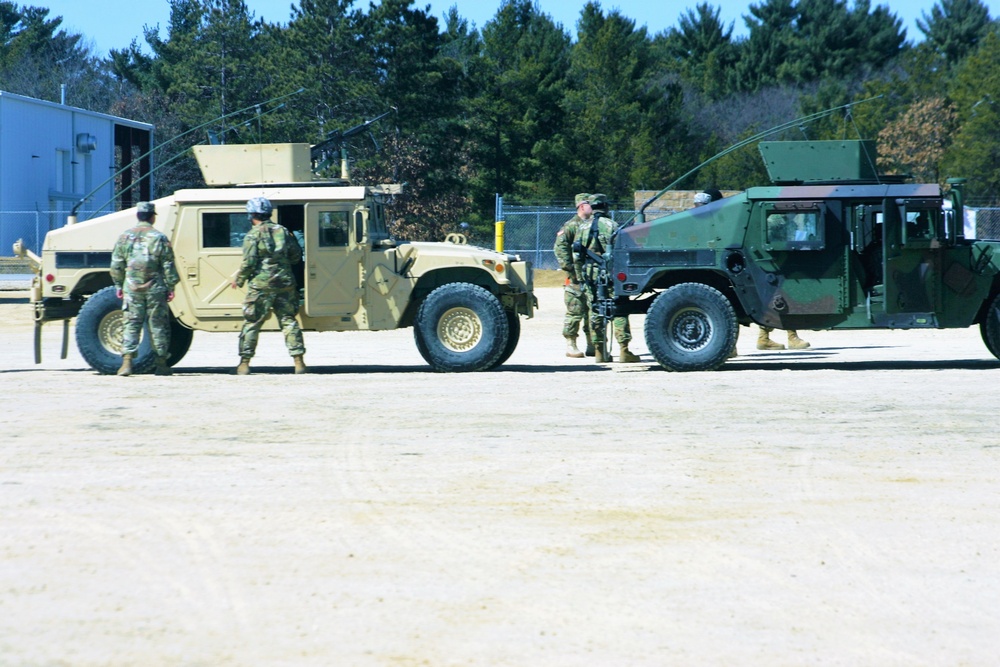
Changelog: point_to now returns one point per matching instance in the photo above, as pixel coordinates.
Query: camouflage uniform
(573, 292)
(142, 267)
(599, 241)
(269, 251)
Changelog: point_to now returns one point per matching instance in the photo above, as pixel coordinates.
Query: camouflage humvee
(831, 245)
(463, 302)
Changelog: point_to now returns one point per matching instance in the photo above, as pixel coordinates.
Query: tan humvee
(463, 302)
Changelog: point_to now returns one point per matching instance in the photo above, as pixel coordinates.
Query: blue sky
(112, 24)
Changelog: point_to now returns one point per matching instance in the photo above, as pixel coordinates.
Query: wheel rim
(690, 329)
(111, 330)
(460, 329)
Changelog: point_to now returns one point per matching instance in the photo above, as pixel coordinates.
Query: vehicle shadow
(829, 362)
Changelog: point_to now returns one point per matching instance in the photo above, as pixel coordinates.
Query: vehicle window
(224, 230)
(333, 228)
(920, 224)
(794, 229)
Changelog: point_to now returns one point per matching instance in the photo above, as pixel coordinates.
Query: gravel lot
(832, 506)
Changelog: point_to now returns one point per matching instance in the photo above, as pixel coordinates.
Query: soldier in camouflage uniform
(593, 232)
(620, 325)
(573, 291)
(142, 268)
(269, 251)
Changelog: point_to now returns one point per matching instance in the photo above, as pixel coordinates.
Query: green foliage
(954, 28)
(37, 57)
(514, 113)
(975, 93)
(617, 111)
(809, 40)
(701, 49)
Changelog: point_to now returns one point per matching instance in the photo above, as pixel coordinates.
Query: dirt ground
(832, 506)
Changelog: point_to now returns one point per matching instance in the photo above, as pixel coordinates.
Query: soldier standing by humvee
(142, 268)
(619, 324)
(269, 252)
(573, 291)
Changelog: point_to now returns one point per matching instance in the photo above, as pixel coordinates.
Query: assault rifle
(604, 300)
(330, 149)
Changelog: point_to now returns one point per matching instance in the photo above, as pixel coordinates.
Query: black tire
(989, 328)
(691, 327)
(513, 336)
(461, 327)
(180, 341)
(99, 336)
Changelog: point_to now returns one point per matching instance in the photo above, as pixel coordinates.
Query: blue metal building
(52, 156)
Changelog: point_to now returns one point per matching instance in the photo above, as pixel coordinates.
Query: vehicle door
(804, 248)
(334, 257)
(209, 246)
(913, 248)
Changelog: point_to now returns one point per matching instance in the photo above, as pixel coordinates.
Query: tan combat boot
(764, 341)
(794, 342)
(599, 355)
(244, 367)
(162, 367)
(626, 357)
(300, 365)
(572, 351)
(126, 367)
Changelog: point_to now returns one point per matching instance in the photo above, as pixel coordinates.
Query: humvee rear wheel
(691, 327)
(461, 327)
(989, 328)
(99, 327)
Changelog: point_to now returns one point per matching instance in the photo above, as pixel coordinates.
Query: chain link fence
(982, 223)
(28, 226)
(530, 231)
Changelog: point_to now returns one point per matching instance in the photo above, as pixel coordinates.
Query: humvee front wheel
(513, 336)
(99, 327)
(461, 327)
(691, 327)
(989, 328)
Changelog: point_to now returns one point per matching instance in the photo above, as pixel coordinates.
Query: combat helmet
(599, 201)
(260, 207)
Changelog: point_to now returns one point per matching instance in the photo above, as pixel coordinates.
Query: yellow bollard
(499, 235)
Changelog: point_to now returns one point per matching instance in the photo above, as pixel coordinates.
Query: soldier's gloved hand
(118, 293)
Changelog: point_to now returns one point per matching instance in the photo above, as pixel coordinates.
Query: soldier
(142, 268)
(573, 294)
(707, 197)
(594, 233)
(269, 251)
(620, 325)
